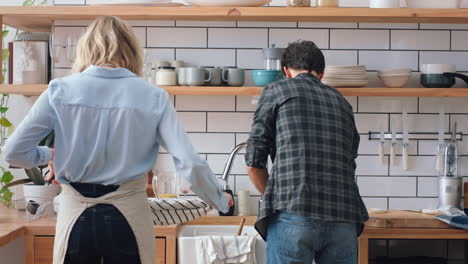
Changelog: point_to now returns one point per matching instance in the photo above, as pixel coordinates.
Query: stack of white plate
(395, 78)
(135, 2)
(346, 76)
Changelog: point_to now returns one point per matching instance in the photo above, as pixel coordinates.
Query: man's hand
(230, 199)
(51, 176)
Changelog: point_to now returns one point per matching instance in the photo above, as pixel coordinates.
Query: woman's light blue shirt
(108, 124)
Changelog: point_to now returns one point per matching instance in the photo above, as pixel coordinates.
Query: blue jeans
(301, 240)
(101, 233)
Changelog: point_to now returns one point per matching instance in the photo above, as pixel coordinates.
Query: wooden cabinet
(40, 249)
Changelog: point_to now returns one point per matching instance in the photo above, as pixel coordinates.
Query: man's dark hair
(303, 55)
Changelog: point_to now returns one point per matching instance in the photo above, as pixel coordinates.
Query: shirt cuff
(222, 203)
(46, 155)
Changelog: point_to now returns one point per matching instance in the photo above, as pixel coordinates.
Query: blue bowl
(264, 77)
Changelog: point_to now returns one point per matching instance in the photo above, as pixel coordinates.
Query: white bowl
(394, 72)
(451, 4)
(227, 2)
(384, 3)
(395, 81)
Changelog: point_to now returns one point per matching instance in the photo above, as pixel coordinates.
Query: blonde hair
(109, 41)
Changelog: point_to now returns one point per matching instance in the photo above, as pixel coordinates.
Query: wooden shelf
(37, 89)
(41, 18)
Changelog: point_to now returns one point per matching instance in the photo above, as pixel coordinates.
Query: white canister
(384, 3)
(166, 76)
(243, 203)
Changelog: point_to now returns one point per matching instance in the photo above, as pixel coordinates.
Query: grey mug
(197, 76)
(216, 79)
(182, 76)
(233, 76)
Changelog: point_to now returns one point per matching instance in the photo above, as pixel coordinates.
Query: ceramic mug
(182, 76)
(197, 76)
(233, 76)
(216, 79)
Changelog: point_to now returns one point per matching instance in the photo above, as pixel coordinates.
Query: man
(311, 208)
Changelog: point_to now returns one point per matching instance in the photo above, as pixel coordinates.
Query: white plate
(134, 3)
(227, 2)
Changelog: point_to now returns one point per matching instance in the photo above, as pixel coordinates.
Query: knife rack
(414, 136)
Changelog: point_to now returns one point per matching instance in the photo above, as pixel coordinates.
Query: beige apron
(130, 199)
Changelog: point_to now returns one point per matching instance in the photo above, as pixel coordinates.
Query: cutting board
(404, 219)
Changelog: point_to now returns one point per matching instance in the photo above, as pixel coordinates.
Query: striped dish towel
(226, 249)
(171, 211)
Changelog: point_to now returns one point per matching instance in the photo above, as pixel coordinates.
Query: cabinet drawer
(160, 250)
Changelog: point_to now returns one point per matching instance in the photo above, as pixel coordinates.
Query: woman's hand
(51, 176)
(230, 199)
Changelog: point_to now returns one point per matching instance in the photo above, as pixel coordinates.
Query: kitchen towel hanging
(174, 211)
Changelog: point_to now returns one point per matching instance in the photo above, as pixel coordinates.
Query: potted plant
(37, 191)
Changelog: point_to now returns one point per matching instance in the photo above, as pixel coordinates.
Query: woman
(109, 124)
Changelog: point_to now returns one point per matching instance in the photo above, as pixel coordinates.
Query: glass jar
(298, 3)
(166, 76)
(166, 184)
(327, 3)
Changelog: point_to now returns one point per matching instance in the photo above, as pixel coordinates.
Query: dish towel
(226, 249)
(172, 211)
(455, 217)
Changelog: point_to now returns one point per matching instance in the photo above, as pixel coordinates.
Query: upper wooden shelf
(41, 18)
(37, 89)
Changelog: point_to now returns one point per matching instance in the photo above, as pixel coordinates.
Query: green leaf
(5, 122)
(7, 196)
(5, 54)
(18, 182)
(35, 175)
(3, 110)
(7, 177)
(11, 129)
(3, 190)
(5, 33)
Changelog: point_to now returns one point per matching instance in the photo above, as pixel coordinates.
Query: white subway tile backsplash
(140, 33)
(193, 121)
(381, 60)
(340, 57)
(282, 37)
(418, 123)
(155, 55)
(69, 2)
(389, 25)
(359, 39)
(380, 203)
(371, 165)
(413, 203)
(205, 103)
(460, 59)
(229, 122)
(217, 163)
(250, 59)
(462, 123)
(428, 186)
(237, 38)
(459, 40)
(243, 183)
(177, 37)
(352, 100)
(387, 186)
(327, 25)
(266, 24)
(189, 23)
(387, 104)
(152, 23)
(418, 166)
(451, 105)
(443, 26)
(212, 142)
(371, 122)
(207, 57)
(420, 40)
(244, 103)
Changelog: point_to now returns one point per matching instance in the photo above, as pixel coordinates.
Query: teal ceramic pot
(264, 77)
(437, 81)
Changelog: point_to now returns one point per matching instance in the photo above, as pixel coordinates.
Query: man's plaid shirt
(308, 130)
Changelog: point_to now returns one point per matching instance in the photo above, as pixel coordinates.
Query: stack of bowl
(346, 76)
(395, 78)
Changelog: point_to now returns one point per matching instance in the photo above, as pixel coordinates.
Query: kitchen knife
(439, 166)
(382, 145)
(392, 148)
(404, 119)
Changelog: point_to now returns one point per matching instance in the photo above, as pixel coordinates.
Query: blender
(450, 183)
(272, 63)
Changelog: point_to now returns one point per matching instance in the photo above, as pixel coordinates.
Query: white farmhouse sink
(186, 241)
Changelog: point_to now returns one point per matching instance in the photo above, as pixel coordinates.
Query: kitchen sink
(186, 241)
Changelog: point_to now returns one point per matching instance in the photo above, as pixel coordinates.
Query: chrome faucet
(228, 167)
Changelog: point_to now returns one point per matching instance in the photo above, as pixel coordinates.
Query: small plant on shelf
(6, 127)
